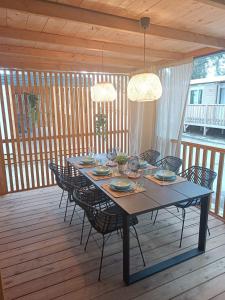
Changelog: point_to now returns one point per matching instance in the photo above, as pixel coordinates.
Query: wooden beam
(68, 56)
(24, 62)
(75, 42)
(215, 3)
(82, 15)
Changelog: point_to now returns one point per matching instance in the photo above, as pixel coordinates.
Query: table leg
(126, 248)
(203, 223)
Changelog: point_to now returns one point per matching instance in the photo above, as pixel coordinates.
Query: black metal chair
(93, 196)
(66, 178)
(199, 175)
(171, 163)
(150, 156)
(105, 218)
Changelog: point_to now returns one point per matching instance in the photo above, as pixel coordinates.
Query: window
(196, 97)
(222, 95)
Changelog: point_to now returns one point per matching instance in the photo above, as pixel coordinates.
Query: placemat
(102, 177)
(161, 182)
(116, 194)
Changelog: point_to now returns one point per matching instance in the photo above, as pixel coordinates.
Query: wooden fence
(212, 158)
(47, 116)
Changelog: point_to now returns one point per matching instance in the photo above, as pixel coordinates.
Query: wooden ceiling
(75, 34)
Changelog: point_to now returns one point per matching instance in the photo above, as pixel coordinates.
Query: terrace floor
(40, 255)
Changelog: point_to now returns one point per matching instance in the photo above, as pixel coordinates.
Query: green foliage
(121, 159)
(101, 125)
(209, 65)
(33, 105)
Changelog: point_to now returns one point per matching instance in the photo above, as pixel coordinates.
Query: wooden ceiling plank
(7, 61)
(68, 57)
(84, 43)
(77, 14)
(214, 3)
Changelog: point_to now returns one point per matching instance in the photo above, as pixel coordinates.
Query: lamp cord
(144, 47)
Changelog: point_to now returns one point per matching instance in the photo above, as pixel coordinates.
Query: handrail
(210, 157)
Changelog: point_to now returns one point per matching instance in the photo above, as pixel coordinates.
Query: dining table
(154, 197)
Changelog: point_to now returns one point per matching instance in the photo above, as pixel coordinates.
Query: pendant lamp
(103, 91)
(145, 86)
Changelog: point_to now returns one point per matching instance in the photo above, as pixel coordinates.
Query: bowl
(165, 175)
(143, 163)
(101, 170)
(121, 184)
(87, 160)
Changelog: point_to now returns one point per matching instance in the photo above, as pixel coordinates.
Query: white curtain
(170, 108)
(141, 125)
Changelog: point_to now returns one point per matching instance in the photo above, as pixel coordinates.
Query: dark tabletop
(155, 196)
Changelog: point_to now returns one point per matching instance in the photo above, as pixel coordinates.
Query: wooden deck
(40, 255)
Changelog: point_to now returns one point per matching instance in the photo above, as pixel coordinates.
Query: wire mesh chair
(92, 196)
(150, 156)
(66, 178)
(105, 218)
(199, 175)
(171, 163)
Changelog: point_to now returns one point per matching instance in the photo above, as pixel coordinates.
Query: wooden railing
(212, 158)
(47, 116)
(210, 115)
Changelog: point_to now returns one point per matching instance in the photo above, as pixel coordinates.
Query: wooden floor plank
(40, 255)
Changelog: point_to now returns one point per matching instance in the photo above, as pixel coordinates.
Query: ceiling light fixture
(145, 86)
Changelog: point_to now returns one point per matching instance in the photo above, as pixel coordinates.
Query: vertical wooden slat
(10, 118)
(34, 138)
(64, 123)
(40, 145)
(204, 159)
(190, 156)
(54, 113)
(110, 118)
(94, 107)
(27, 118)
(184, 157)
(58, 111)
(114, 114)
(73, 114)
(118, 112)
(19, 152)
(21, 111)
(122, 111)
(48, 114)
(76, 106)
(90, 115)
(85, 106)
(197, 156)
(219, 182)
(212, 165)
(68, 113)
(81, 113)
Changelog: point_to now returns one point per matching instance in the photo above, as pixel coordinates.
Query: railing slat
(219, 182)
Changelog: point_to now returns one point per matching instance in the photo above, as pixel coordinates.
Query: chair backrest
(200, 175)
(171, 163)
(96, 214)
(150, 156)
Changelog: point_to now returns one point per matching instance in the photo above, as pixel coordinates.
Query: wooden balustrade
(59, 121)
(210, 115)
(212, 158)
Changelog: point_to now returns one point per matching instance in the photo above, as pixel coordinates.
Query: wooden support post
(3, 183)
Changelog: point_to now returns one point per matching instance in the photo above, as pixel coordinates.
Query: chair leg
(71, 219)
(139, 245)
(155, 216)
(208, 230)
(100, 267)
(183, 219)
(82, 229)
(61, 199)
(177, 209)
(67, 203)
(151, 215)
(85, 248)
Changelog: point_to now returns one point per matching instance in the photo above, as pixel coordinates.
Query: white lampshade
(103, 92)
(144, 87)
